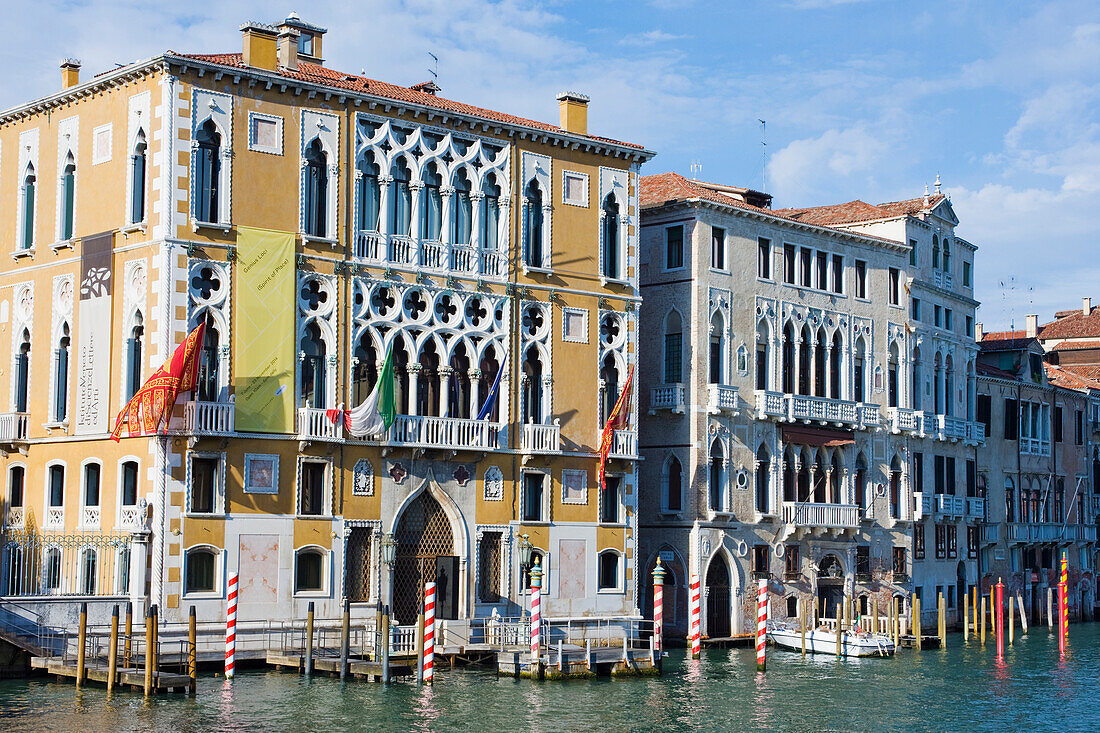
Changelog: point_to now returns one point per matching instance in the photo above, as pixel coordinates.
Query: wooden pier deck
(571, 660)
(132, 676)
(724, 642)
(358, 667)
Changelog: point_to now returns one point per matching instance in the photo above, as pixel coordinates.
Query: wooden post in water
(154, 651)
(1050, 609)
(309, 640)
(129, 631)
(420, 648)
(192, 652)
(897, 604)
(148, 651)
(982, 620)
(817, 610)
(916, 622)
(1023, 616)
(838, 631)
(964, 614)
(802, 624)
(942, 629)
(386, 644)
(112, 650)
(81, 642)
(345, 638)
(874, 615)
(1011, 621)
(974, 595)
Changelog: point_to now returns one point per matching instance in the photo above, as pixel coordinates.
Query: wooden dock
(358, 667)
(725, 642)
(571, 661)
(132, 676)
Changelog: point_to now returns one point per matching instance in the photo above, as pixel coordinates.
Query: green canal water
(961, 688)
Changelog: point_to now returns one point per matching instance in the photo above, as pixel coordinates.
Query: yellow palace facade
(315, 221)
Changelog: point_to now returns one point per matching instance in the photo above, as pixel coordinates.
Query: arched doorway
(960, 591)
(425, 552)
(830, 585)
(718, 598)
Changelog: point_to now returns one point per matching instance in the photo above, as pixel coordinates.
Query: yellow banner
(264, 334)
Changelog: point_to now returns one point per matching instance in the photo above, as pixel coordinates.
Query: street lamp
(524, 561)
(389, 549)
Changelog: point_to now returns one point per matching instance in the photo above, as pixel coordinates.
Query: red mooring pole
(1000, 619)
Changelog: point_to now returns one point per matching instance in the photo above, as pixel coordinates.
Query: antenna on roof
(696, 169)
(434, 70)
(763, 156)
(1008, 292)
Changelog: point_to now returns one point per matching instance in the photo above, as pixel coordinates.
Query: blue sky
(864, 99)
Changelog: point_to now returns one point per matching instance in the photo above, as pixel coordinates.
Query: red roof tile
(992, 371)
(317, 74)
(1073, 377)
(1005, 341)
(855, 211)
(1073, 345)
(1074, 325)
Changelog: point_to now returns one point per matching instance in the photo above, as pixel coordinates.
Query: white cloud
(820, 4)
(649, 38)
(818, 164)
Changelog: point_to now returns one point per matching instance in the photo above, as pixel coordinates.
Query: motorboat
(822, 640)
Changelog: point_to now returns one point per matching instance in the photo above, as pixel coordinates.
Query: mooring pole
(309, 640)
(916, 624)
(420, 648)
(148, 651)
(999, 619)
(128, 633)
(345, 638)
(838, 631)
(155, 651)
(805, 608)
(1011, 620)
(112, 650)
(942, 629)
(386, 644)
(1050, 610)
(192, 652)
(81, 639)
(983, 620)
(1023, 616)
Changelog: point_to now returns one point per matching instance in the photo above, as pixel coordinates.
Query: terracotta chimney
(288, 48)
(1032, 326)
(573, 112)
(70, 73)
(260, 46)
(1086, 306)
(979, 332)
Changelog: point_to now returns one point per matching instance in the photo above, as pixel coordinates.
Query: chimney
(70, 73)
(1086, 306)
(288, 48)
(979, 332)
(1032, 326)
(260, 46)
(573, 112)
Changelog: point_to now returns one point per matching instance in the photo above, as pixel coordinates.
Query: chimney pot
(260, 46)
(1032, 326)
(979, 332)
(573, 112)
(1086, 306)
(288, 48)
(70, 73)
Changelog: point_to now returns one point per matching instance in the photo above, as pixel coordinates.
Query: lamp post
(389, 555)
(524, 562)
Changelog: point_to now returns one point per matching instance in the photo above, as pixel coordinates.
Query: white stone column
(415, 189)
(414, 395)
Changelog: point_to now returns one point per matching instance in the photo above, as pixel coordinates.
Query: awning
(817, 437)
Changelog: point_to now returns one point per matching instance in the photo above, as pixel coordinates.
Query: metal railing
(834, 516)
(83, 564)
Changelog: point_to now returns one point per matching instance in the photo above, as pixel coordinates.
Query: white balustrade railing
(541, 438)
(667, 397)
(869, 415)
(923, 505)
(950, 505)
(89, 517)
(55, 517)
(901, 419)
(209, 418)
(721, 398)
(314, 424)
(624, 444)
(492, 264)
(14, 518)
(953, 427)
(833, 516)
(975, 507)
(991, 534)
(430, 254)
(975, 433)
(129, 517)
(1029, 532)
(433, 255)
(370, 246)
(444, 432)
(770, 404)
(401, 250)
(811, 408)
(13, 427)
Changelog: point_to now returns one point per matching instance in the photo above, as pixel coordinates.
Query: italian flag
(378, 411)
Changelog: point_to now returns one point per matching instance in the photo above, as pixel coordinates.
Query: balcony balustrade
(55, 517)
(542, 438)
(209, 418)
(923, 505)
(14, 518)
(624, 445)
(826, 516)
(454, 433)
(89, 517)
(975, 507)
(948, 505)
(667, 397)
(903, 420)
(975, 433)
(952, 428)
(721, 398)
(807, 408)
(432, 255)
(1020, 533)
(991, 534)
(130, 517)
(13, 427)
(314, 425)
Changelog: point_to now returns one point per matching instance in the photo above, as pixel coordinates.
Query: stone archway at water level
(425, 552)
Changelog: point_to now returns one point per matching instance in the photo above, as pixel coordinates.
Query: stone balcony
(315, 425)
(542, 439)
(453, 433)
(947, 506)
(14, 518)
(722, 398)
(937, 427)
(821, 410)
(1023, 533)
(668, 397)
(428, 255)
(624, 445)
(209, 418)
(975, 507)
(13, 427)
(810, 515)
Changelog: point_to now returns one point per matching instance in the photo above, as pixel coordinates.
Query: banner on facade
(93, 319)
(263, 339)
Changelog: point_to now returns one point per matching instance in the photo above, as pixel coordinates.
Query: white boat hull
(823, 641)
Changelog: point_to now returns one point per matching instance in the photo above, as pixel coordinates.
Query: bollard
(761, 625)
(148, 652)
(805, 611)
(345, 639)
(309, 639)
(420, 644)
(942, 629)
(112, 650)
(587, 654)
(81, 639)
(192, 652)
(561, 657)
(429, 634)
(982, 621)
(693, 609)
(231, 627)
(817, 611)
(1023, 616)
(999, 619)
(127, 647)
(839, 633)
(1011, 621)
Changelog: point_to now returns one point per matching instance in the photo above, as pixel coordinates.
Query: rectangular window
(791, 561)
(673, 358)
(940, 476)
(760, 560)
(532, 496)
(937, 316)
(838, 274)
(949, 467)
(941, 542)
(1057, 424)
(488, 568)
(1012, 420)
(913, 252)
(895, 286)
(966, 274)
(971, 478)
(918, 472)
(313, 489)
(1080, 434)
(609, 500)
(674, 247)
(952, 541)
(914, 309)
(863, 561)
(57, 486)
(972, 535)
(788, 264)
(970, 326)
(822, 271)
(899, 565)
(984, 412)
(204, 486)
(806, 262)
(718, 248)
(764, 259)
(861, 279)
(947, 318)
(918, 541)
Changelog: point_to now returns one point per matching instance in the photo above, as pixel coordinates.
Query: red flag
(619, 419)
(154, 401)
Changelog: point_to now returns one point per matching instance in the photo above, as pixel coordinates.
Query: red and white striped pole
(658, 604)
(231, 628)
(1063, 604)
(536, 617)
(999, 618)
(693, 605)
(429, 632)
(761, 624)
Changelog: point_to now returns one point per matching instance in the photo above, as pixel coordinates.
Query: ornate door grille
(359, 564)
(489, 568)
(424, 533)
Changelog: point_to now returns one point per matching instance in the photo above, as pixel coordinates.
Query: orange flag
(154, 401)
(619, 419)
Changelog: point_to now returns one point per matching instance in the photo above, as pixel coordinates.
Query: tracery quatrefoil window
(206, 284)
(612, 331)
